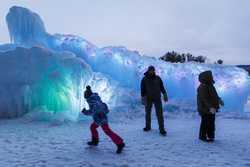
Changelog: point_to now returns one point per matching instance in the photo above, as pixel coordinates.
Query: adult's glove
(221, 102)
(165, 97)
(212, 110)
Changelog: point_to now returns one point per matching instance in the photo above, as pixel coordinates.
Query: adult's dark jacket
(152, 87)
(207, 96)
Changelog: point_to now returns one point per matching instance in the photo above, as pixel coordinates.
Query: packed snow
(25, 143)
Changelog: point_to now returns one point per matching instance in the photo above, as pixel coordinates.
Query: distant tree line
(175, 57)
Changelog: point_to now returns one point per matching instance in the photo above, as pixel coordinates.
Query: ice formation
(36, 77)
(117, 69)
(39, 80)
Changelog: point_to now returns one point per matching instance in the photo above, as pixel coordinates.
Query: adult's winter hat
(151, 68)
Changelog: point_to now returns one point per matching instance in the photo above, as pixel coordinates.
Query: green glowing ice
(54, 91)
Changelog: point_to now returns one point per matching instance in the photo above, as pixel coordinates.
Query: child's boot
(94, 142)
(120, 148)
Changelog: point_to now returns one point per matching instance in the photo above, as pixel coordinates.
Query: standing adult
(208, 103)
(151, 89)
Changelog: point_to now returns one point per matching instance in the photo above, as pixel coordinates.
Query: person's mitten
(221, 102)
(165, 97)
(212, 110)
(83, 110)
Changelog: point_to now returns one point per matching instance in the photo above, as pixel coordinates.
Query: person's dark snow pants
(207, 127)
(105, 127)
(159, 113)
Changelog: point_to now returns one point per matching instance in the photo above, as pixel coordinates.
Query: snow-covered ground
(25, 143)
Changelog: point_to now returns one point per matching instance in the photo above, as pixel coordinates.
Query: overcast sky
(213, 28)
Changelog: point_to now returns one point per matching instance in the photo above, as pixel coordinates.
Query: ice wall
(127, 67)
(46, 85)
(37, 77)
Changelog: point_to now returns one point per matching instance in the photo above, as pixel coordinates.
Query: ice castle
(42, 72)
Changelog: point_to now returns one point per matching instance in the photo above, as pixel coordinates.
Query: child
(208, 103)
(99, 111)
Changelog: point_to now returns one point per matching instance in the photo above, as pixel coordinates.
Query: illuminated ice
(48, 85)
(121, 69)
(38, 78)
